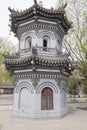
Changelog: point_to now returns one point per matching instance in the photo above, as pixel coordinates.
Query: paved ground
(75, 120)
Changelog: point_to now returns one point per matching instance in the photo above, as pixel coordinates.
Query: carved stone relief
(35, 82)
(48, 33)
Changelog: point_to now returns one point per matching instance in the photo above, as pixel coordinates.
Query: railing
(15, 56)
(38, 48)
(26, 50)
(42, 50)
(46, 49)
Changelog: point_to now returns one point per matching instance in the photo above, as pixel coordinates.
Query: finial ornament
(35, 2)
(65, 4)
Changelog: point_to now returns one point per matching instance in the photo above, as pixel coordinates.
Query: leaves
(73, 84)
(76, 40)
(76, 11)
(6, 47)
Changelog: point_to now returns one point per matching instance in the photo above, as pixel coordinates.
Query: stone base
(41, 115)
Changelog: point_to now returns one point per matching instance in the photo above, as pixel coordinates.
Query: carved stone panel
(35, 82)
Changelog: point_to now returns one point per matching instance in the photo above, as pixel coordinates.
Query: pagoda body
(40, 69)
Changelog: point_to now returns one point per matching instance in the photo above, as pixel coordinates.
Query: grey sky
(16, 4)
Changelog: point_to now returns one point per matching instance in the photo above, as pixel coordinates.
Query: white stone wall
(27, 100)
(37, 39)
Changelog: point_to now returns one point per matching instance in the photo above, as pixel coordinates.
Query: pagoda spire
(35, 2)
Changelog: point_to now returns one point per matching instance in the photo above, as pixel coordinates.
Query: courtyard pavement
(75, 120)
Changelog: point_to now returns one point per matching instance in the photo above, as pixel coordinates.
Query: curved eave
(12, 57)
(52, 15)
(60, 63)
(36, 9)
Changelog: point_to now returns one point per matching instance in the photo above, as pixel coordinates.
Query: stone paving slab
(75, 120)
(6, 99)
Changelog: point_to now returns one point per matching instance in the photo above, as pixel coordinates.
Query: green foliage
(86, 100)
(76, 40)
(5, 78)
(73, 85)
(83, 65)
(73, 101)
(85, 86)
(5, 48)
(77, 35)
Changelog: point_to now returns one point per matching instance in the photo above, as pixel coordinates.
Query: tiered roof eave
(61, 62)
(18, 17)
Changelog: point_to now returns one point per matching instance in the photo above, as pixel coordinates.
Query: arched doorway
(47, 99)
(24, 99)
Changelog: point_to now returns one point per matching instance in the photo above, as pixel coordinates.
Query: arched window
(28, 42)
(45, 42)
(47, 99)
(59, 46)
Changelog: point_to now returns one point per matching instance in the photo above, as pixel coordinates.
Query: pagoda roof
(35, 12)
(39, 61)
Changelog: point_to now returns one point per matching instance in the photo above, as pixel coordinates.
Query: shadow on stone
(82, 108)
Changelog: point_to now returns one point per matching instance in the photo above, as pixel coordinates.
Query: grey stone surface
(28, 102)
(75, 120)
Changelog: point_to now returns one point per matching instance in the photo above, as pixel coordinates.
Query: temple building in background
(40, 69)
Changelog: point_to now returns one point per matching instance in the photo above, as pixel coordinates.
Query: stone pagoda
(40, 69)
